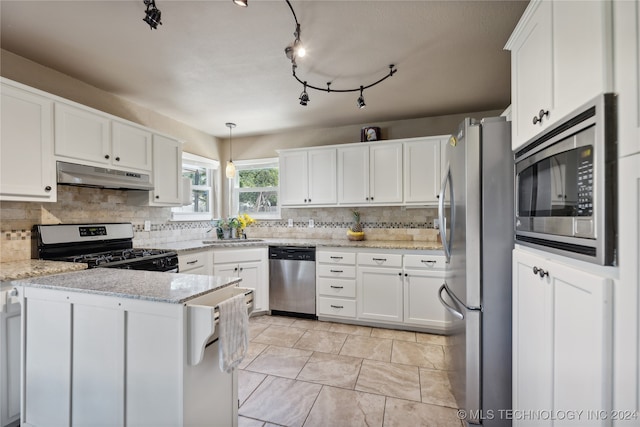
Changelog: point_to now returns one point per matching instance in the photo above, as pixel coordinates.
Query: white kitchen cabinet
(423, 276)
(423, 166)
(251, 265)
(551, 76)
(82, 134)
(124, 361)
(26, 139)
(90, 137)
(308, 177)
(131, 146)
(562, 323)
(336, 283)
(627, 74)
(380, 287)
(370, 174)
(197, 262)
(10, 320)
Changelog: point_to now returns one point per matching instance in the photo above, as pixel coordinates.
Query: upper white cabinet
(627, 74)
(26, 139)
(561, 57)
(167, 172)
(370, 174)
(308, 177)
(131, 146)
(423, 165)
(562, 323)
(94, 138)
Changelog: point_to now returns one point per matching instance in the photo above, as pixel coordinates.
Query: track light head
(304, 96)
(241, 3)
(152, 14)
(360, 100)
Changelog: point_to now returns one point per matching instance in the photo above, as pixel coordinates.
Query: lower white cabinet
(379, 287)
(562, 327)
(9, 360)
(198, 262)
(423, 276)
(251, 265)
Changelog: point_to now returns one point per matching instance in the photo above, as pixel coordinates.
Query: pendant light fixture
(231, 168)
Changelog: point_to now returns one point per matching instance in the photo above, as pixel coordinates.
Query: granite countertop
(14, 270)
(137, 284)
(193, 245)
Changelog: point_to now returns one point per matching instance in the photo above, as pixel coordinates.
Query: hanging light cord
(392, 69)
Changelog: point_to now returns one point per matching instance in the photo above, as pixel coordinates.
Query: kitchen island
(122, 347)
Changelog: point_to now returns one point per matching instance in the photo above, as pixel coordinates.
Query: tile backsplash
(80, 204)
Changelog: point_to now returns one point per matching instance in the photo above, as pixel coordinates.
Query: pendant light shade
(230, 171)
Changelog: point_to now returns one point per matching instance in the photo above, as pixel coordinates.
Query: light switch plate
(147, 225)
(311, 223)
(290, 223)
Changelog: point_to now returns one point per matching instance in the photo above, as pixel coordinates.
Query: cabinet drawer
(380, 260)
(192, 261)
(223, 256)
(337, 287)
(336, 307)
(337, 257)
(337, 271)
(429, 262)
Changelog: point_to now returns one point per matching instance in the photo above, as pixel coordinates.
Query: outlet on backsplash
(311, 223)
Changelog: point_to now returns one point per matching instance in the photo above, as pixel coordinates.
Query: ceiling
(211, 62)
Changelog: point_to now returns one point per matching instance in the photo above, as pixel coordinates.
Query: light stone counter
(194, 245)
(14, 270)
(145, 285)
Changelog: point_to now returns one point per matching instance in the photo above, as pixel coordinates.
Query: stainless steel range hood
(92, 176)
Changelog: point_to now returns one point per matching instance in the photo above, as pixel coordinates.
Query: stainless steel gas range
(100, 245)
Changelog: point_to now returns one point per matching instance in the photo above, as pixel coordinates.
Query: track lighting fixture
(152, 14)
(296, 50)
(241, 3)
(360, 101)
(230, 171)
(304, 96)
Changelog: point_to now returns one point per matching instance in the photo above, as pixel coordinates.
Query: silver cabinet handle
(336, 271)
(337, 306)
(428, 261)
(540, 272)
(192, 262)
(335, 257)
(380, 259)
(337, 287)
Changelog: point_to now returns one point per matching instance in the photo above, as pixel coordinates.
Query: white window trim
(214, 165)
(254, 164)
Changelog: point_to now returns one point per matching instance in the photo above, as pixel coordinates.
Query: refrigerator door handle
(457, 314)
(446, 238)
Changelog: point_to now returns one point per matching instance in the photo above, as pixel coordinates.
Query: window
(255, 188)
(201, 173)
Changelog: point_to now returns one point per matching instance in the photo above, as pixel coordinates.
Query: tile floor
(301, 372)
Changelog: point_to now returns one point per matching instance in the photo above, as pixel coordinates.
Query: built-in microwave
(566, 185)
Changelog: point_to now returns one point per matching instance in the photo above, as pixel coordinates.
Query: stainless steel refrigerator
(476, 226)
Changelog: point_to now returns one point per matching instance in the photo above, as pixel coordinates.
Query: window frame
(213, 171)
(270, 162)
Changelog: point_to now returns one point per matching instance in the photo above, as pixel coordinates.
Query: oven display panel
(93, 231)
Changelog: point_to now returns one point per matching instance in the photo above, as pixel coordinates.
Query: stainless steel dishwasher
(292, 281)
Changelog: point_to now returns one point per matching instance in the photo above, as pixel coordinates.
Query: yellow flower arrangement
(245, 220)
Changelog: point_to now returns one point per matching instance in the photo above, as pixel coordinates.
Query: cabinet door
(422, 177)
(294, 183)
(581, 340)
(10, 353)
(380, 294)
(421, 304)
(322, 177)
(254, 276)
(131, 147)
(532, 74)
(82, 134)
(581, 74)
(627, 74)
(353, 175)
(26, 138)
(532, 338)
(385, 182)
(167, 171)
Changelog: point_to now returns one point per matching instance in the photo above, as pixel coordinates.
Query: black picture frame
(370, 133)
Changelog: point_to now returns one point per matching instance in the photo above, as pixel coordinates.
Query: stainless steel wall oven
(566, 185)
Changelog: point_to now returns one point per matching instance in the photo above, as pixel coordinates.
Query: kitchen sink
(227, 241)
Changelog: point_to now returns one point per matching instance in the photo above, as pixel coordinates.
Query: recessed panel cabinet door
(294, 184)
(82, 134)
(422, 165)
(322, 177)
(167, 171)
(353, 175)
(131, 147)
(26, 140)
(385, 185)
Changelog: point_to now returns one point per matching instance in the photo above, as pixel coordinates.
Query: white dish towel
(234, 326)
